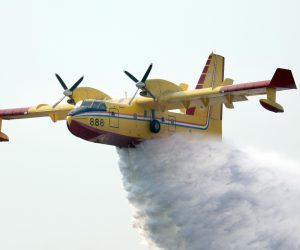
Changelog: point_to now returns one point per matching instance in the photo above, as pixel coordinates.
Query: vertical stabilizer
(212, 76)
(213, 72)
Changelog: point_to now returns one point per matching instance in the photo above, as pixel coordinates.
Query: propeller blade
(61, 82)
(141, 84)
(133, 96)
(76, 84)
(147, 73)
(59, 101)
(131, 76)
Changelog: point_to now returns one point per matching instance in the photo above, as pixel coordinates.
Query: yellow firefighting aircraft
(163, 108)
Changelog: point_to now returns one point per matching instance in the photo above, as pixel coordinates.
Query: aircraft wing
(226, 94)
(60, 112)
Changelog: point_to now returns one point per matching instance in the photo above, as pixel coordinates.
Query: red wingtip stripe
(283, 78)
(13, 112)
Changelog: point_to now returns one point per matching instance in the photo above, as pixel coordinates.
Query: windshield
(78, 104)
(94, 105)
(86, 104)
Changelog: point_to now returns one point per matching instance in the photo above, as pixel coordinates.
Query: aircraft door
(113, 117)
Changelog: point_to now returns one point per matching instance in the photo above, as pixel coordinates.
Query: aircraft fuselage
(125, 125)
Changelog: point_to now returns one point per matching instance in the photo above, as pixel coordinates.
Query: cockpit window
(86, 104)
(99, 106)
(78, 104)
(94, 105)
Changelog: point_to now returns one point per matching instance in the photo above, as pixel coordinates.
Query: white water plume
(204, 194)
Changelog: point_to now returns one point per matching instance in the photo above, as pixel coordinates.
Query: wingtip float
(94, 116)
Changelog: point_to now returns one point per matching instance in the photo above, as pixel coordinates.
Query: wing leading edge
(60, 112)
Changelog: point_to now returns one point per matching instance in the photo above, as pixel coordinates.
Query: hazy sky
(60, 192)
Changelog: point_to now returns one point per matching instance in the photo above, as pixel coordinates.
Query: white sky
(60, 192)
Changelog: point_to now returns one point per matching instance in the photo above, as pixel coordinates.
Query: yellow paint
(137, 128)
(60, 112)
(184, 86)
(83, 93)
(227, 82)
(133, 120)
(271, 100)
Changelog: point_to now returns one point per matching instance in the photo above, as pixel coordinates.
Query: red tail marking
(191, 111)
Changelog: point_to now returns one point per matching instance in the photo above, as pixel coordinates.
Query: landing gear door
(113, 117)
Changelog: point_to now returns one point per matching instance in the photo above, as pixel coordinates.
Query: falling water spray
(206, 194)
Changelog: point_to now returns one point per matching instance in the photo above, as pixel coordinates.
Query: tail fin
(213, 72)
(212, 76)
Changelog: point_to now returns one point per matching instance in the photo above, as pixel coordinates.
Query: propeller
(67, 92)
(141, 84)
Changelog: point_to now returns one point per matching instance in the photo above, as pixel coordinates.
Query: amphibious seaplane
(163, 108)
